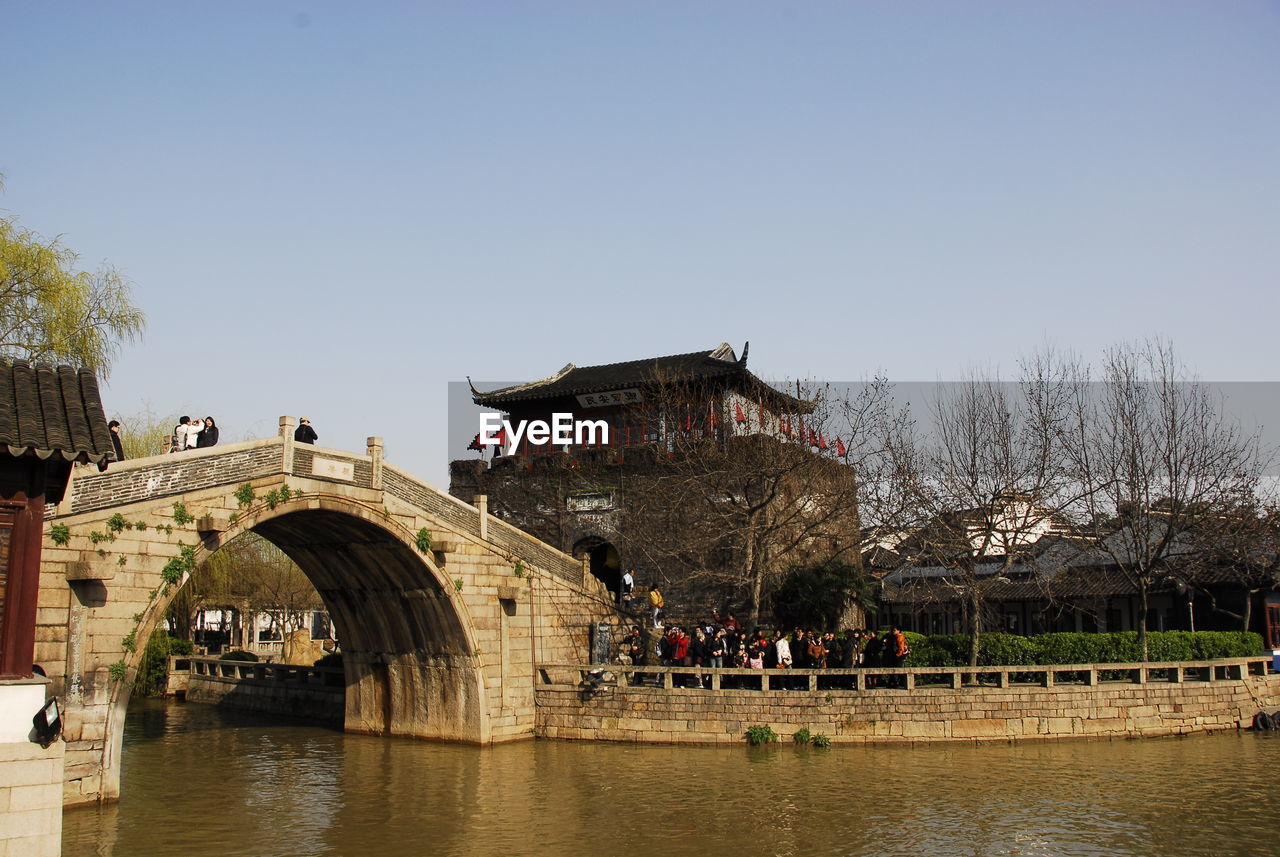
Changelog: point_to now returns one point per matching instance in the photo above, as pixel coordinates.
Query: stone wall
(31, 799)
(923, 714)
(30, 775)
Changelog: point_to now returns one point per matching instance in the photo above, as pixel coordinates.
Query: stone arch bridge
(439, 643)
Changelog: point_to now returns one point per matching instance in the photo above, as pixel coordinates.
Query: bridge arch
(441, 640)
(410, 653)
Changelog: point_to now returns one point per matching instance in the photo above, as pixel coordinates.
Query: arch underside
(410, 668)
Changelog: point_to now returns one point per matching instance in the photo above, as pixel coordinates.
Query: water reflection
(199, 781)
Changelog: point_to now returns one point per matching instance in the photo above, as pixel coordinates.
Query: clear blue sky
(336, 208)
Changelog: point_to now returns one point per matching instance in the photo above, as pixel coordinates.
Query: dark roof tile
(47, 411)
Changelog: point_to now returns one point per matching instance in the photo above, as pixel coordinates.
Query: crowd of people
(725, 643)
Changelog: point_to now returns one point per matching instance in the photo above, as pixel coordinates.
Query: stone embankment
(906, 705)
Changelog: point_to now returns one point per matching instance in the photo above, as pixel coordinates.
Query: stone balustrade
(314, 693)
(910, 678)
(679, 705)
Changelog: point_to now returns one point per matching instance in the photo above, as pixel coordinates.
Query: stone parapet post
(482, 503)
(287, 427)
(373, 448)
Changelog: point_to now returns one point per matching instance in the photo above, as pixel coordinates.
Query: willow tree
(53, 312)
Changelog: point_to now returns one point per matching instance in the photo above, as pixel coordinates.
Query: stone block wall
(31, 799)
(1106, 710)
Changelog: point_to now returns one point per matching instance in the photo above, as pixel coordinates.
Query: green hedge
(1011, 650)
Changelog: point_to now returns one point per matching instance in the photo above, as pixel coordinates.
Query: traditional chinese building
(652, 422)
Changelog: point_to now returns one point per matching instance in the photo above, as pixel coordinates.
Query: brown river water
(199, 781)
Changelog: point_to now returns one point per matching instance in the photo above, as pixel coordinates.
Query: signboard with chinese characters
(328, 468)
(629, 396)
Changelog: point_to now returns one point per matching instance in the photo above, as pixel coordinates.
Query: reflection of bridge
(440, 637)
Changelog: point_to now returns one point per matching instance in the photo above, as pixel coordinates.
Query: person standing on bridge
(208, 435)
(178, 442)
(305, 433)
(114, 426)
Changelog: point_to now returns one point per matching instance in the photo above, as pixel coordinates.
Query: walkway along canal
(681, 705)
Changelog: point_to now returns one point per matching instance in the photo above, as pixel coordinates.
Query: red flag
(738, 415)
(813, 438)
(475, 443)
(822, 442)
(840, 450)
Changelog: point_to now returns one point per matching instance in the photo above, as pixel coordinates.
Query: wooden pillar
(22, 514)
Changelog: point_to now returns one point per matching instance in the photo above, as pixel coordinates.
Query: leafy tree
(153, 669)
(249, 575)
(818, 594)
(52, 312)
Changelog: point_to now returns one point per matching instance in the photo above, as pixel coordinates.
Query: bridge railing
(259, 671)
(899, 678)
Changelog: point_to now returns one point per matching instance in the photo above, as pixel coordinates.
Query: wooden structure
(49, 419)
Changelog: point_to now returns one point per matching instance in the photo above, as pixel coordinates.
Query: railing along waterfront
(262, 672)
(860, 679)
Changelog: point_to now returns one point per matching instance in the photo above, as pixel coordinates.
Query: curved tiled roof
(46, 412)
(574, 380)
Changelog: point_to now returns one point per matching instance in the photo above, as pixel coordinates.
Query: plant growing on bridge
(244, 495)
(821, 740)
(285, 493)
(60, 534)
(272, 498)
(423, 540)
(130, 642)
(140, 526)
(181, 564)
(97, 537)
(518, 568)
(181, 516)
(757, 735)
(802, 736)
(457, 584)
(117, 671)
(116, 523)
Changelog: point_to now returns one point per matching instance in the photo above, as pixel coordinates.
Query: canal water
(199, 781)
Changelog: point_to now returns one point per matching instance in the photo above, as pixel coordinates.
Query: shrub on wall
(153, 668)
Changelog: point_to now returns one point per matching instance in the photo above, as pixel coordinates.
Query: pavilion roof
(717, 364)
(52, 412)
